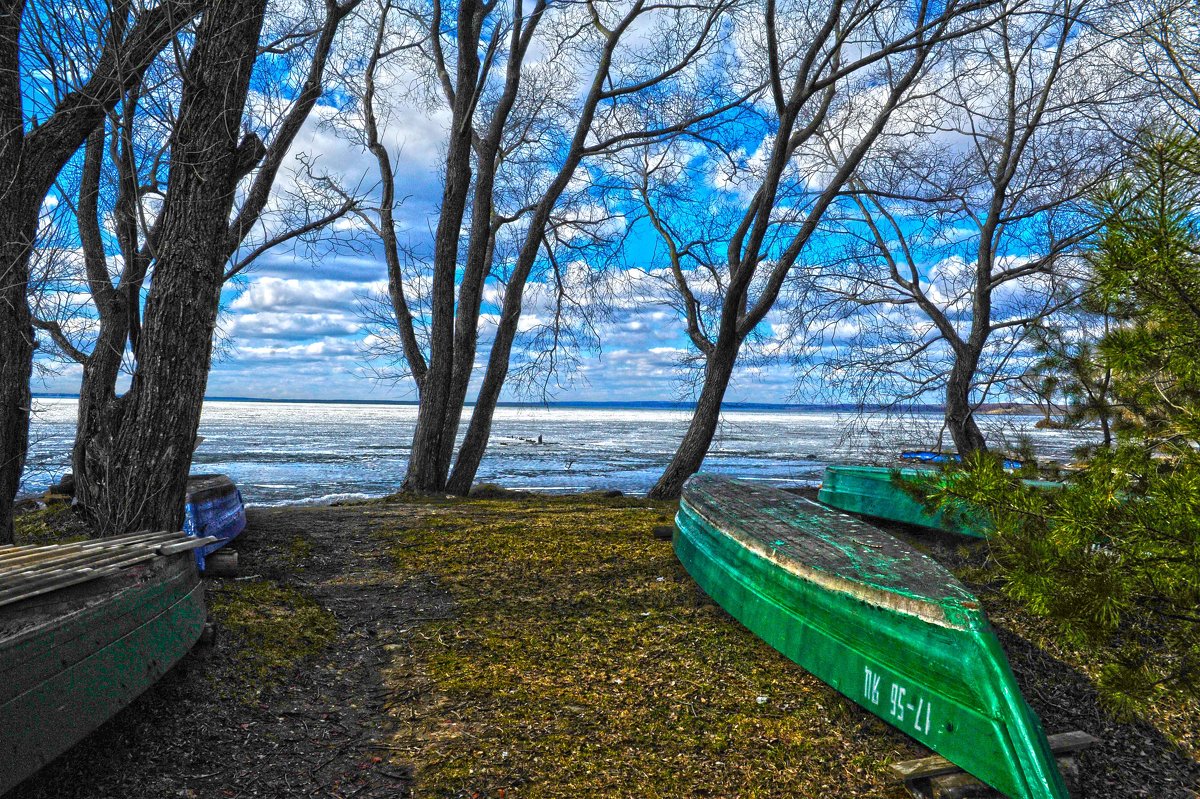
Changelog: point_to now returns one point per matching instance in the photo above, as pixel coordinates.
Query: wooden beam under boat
(883, 624)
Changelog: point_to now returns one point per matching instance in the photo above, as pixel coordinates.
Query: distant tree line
(904, 196)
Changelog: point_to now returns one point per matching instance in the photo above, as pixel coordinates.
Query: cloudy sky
(294, 326)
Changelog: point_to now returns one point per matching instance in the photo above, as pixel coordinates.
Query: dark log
(936, 777)
(222, 563)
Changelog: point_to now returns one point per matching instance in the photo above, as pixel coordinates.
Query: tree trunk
(29, 163)
(703, 427)
(99, 405)
(426, 469)
(137, 475)
(18, 220)
(18, 226)
(466, 323)
(960, 416)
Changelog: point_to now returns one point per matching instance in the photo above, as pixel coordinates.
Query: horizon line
(664, 404)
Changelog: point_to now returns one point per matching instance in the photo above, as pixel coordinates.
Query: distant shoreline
(996, 408)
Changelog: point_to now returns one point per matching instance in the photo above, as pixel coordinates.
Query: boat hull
(71, 659)
(936, 673)
(875, 491)
(213, 508)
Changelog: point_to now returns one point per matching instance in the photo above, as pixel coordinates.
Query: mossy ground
(54, 524)
(581, 660)
(530, 647)
(275, 628)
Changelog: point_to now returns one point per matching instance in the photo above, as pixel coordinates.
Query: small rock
(65, 486)
(664, 532)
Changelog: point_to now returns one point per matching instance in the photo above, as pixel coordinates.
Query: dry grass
(275, 628)
(581, 660)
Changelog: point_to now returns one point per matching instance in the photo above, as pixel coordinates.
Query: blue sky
(292, 326)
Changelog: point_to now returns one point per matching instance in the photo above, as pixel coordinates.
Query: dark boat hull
(213, 508)
(70, 659)
(931, 668)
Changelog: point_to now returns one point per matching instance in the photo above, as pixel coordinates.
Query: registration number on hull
(893, 699)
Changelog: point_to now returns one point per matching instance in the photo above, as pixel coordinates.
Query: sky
(293, 325)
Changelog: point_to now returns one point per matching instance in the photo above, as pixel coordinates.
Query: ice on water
(299, 452)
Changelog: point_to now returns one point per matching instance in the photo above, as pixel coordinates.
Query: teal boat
(878, 491)
(879, 622)
(84, 629)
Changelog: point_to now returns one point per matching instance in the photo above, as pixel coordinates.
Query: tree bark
(426, 472)
(136, 477)
(960, 415)
(29, 163)
(17, 228)
(100, 409)
(696, 441)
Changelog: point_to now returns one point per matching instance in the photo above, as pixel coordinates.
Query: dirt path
(322, 729)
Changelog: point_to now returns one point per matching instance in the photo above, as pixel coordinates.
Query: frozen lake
(288, 452)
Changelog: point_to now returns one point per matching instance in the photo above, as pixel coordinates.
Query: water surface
(289, 452)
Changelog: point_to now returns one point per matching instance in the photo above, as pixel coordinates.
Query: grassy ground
(583, 661)
(528, 647)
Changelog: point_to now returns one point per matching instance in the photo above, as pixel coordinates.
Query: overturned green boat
(879, 492)
(881, 623)
(84, 629)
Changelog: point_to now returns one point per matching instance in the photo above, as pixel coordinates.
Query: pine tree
(1113, 558)
(1147, 265)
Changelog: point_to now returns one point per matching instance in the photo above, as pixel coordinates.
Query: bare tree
(964, 228)
(85, 58)
(133, 450)
(1160, 45)
(533, 92)
(120, 184)
(829, 65)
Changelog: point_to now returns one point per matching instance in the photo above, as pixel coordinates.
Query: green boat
(84, 629)
(877, 491)
(879, 622)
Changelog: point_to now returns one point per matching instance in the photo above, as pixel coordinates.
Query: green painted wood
(877, 491)
(879, 622)
(69, 662)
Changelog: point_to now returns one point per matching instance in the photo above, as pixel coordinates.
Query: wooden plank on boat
(94, 568)
(50, 562)
(878, 621)
(77, 566)
(12, 558)
(1064, 743)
